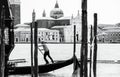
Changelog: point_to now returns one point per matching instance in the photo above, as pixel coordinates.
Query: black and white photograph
(59, 38)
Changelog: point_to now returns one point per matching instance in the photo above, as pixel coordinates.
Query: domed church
(56, 18)
(56, 12)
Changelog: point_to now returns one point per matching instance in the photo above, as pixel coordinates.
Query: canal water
(64, 52)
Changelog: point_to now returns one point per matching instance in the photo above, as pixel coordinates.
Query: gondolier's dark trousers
(45, 57)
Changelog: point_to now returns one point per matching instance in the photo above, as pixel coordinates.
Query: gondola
(42, 68)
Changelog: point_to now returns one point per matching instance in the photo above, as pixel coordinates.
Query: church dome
(56, 12)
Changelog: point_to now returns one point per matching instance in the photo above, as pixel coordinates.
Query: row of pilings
(6, 22)
(84, 72)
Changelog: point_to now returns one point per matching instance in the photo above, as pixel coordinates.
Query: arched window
(77, 37)
(39, 39)
(16, 39)
(26, 39)
(53, 37)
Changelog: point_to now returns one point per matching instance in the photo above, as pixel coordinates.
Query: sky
(108, 10)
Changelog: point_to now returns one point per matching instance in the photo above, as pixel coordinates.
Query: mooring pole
(2, 40)
(74, 48)
(84, 43)
(74, 38)
(33, 20)
(35, 51)
(91, 39)
(95, 45)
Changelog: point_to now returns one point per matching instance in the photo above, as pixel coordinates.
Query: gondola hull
(42, 68)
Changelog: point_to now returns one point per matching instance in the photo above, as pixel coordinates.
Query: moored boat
(42, 68)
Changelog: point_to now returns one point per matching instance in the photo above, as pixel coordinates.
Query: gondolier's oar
(40, 51)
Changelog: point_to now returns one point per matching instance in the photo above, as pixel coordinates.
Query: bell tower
(15, 8)
(44, 14)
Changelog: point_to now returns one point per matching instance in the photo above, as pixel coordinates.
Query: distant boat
(42, 68)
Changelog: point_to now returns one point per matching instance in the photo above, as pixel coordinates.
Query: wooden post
(35, 51)
(74, 38)
(91, 39)
(95, 45)
(74, 46)
(2, 41)
(33, 20)
(84, 43)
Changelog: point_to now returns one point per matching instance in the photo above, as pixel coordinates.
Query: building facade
(108, 33)
(22, 35)
(55, 22)
(67, 31)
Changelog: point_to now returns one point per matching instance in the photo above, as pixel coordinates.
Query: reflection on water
(103, 70)
(108, 70)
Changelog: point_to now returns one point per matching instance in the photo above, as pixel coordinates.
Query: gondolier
(46, 53)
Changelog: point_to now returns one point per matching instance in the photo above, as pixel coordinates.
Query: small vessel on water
(42, 68)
